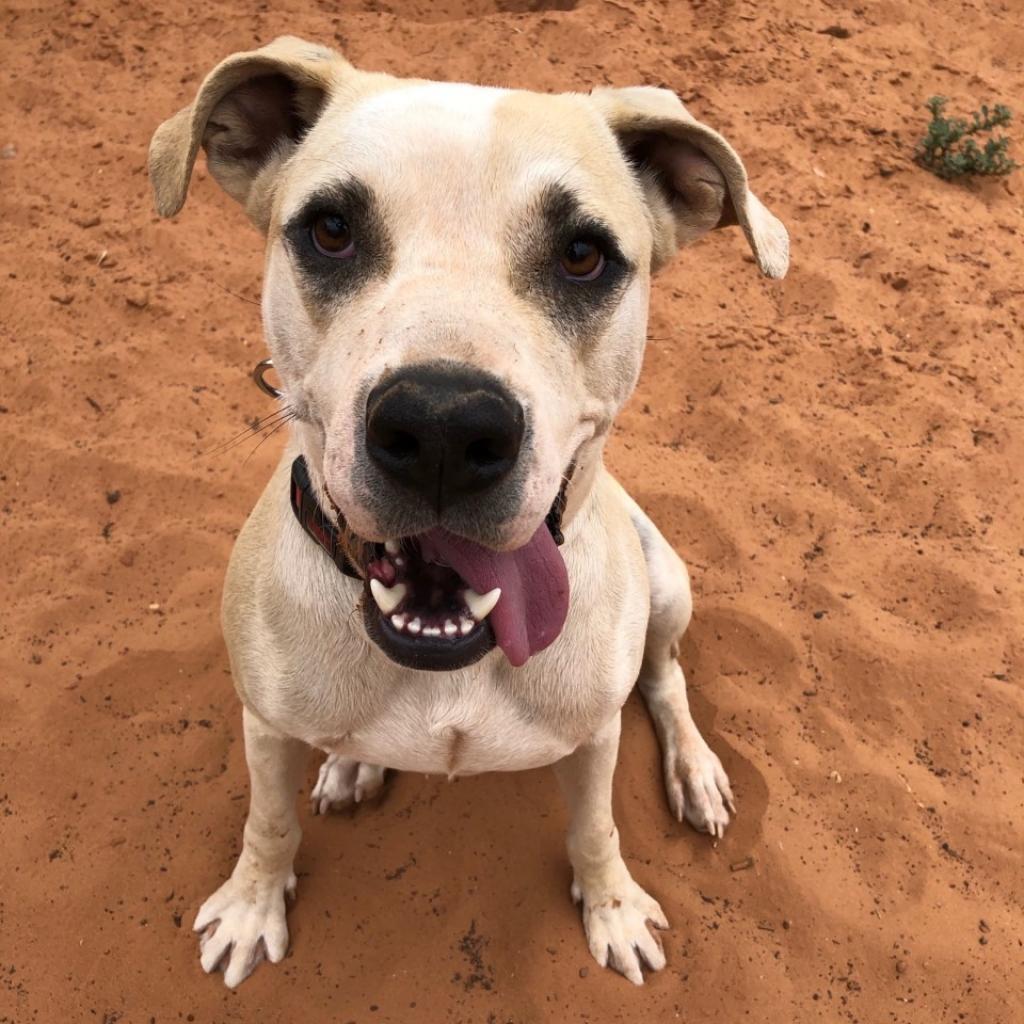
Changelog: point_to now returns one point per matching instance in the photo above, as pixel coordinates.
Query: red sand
(838, 456)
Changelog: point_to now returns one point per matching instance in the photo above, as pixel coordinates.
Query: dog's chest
(453, 725)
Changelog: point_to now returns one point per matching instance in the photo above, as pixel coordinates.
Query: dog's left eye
(582, 260)
(332, 236)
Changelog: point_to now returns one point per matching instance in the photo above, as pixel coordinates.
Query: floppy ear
(248, 115)
(693, 179)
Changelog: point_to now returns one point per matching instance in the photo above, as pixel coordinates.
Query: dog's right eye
(582, 260)
(332, 236)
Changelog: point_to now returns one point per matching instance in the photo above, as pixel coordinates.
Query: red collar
(312, 519)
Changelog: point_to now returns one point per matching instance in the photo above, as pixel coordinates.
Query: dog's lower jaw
(424, 653)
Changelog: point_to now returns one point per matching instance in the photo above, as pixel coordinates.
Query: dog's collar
(312, 519)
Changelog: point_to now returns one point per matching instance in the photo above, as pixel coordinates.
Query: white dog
(441, 575)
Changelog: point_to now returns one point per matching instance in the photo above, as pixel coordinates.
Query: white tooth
(481, 605)
(392, 547)
(398, 621)
(387, 598)
(414, 626)
(466, 626)
(399, 561)
(431, 631)
(450, 629)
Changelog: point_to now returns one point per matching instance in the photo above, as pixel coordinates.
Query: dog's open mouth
(439, 601)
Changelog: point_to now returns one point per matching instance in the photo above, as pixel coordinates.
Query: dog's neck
(581, 486)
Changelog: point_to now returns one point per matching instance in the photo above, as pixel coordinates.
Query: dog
(442, 576)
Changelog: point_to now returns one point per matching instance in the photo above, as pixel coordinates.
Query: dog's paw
(697, 786)
(620, 922)
(242, 925)
(344, 782)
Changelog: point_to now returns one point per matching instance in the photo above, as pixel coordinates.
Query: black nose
(443, 431)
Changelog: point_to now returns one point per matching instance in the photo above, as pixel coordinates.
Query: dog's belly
(444, 729)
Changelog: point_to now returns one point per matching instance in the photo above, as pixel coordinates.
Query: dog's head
(456, 297)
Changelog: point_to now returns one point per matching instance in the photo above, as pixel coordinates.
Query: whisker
(265, 439)
(270, 420)
(234, 295)
(274, 420)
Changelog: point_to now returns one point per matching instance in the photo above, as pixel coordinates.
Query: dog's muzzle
(447, 437)
(433, 599)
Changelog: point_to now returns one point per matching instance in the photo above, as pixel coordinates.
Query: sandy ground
(837, 455)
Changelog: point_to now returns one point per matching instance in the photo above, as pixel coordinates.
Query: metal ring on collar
(259, 376)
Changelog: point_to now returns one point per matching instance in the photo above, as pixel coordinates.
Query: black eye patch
(537, 245)
(330, 280)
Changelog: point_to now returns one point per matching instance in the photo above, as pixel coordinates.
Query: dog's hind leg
(343, 782)
(698, 788)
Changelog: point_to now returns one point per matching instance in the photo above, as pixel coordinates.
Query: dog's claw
(241, 927)
(620, 924)
(698, 788)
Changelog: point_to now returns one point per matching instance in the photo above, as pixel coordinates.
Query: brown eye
(332, 236)
(582, 260)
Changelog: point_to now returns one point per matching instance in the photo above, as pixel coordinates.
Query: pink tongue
(534, 586)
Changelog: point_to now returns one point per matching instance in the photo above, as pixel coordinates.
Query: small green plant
(949, 150)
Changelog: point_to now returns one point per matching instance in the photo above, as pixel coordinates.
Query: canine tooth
(450, 629)
(481, 605)
(387, 598)
(466, 626)
(431, 631)
(392, 547)
(398, 621)
(414, 626)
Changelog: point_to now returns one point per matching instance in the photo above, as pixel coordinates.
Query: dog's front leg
(243, 922)
(617, 913)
